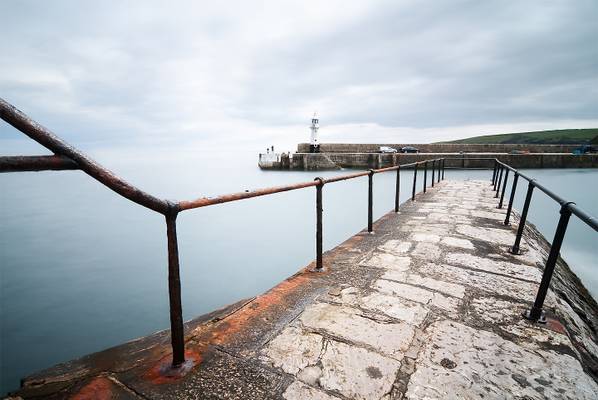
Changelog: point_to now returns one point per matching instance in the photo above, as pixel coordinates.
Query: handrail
(68, 157)
(580, 213)
(536, 313)
(46, 138)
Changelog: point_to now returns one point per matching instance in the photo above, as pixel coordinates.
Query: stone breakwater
(427, 307)
(324, 161)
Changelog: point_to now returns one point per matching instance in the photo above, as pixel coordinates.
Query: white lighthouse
(314, 144)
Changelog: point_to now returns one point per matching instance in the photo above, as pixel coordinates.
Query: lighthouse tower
(314, 144)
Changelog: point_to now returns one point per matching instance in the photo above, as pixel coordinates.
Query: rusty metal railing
(66, 157)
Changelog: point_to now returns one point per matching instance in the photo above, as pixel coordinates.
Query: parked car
(387, 149)
(409, 149)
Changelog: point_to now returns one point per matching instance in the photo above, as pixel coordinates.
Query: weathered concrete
(427, 307)
(308, 161)
(441, 147)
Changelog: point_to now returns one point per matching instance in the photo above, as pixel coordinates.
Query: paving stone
(492, 235)
(452, 289)
(388, 261)
(456, 242)
(461, 362)
(410, 312)
(391, 339)
(300, 391)
(396, 247)
(417, 294)
(520, 271)
(426, 251)
(425, 237)
(497, 216)
(489, 283)
(356, 372)
(293, 349)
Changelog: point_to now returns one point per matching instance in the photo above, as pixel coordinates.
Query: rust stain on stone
(242, 318)
(162, 372)
(99, 388)
(555, 325)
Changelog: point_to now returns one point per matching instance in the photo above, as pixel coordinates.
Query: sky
(161, 75)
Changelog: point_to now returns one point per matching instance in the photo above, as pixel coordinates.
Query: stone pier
(427, 307)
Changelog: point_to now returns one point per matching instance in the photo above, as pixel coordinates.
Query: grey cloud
(97, 71)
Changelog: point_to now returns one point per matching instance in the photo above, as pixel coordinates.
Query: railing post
(425, 174)
(494, 172)
(397, 188)
(177, 336)
(414, 182)
(536, 313)
(512, 197)
(528, 199)
(433, 171)
(443, 167)
(497, 188)
(370, 199)
(319, 187)
(504, 186)
(496, 177)
(440, 162)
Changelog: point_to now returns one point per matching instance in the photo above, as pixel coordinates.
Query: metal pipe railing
(68, 157)
(567, 209)
(36, 163)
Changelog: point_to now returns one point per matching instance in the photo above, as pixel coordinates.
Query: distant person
(272, 149)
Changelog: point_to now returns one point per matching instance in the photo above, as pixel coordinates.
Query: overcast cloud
(123, 73)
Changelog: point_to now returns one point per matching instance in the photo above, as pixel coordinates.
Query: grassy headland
(561, 136)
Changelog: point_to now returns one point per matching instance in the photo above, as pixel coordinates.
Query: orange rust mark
(224, 330)
(276, 296)
(556, 326)
(162, 372)
(99, 388)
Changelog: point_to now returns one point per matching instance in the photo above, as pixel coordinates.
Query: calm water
(83, 269)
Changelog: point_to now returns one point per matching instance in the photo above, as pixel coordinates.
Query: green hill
(561, 136)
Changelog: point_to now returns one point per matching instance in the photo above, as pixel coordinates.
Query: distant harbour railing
(66, 157)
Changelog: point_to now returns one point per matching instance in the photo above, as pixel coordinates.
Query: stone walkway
(427, 307)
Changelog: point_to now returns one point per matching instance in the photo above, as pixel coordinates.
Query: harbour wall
(322, 161)
(441, 147)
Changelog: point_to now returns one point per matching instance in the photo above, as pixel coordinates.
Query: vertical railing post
(536, 313)
(512, 197)
(497, 188)
(494, 172)
(177, 335)
(319, 187)
(425, 174)
(414, 181)
(439, 168)
(397, 188)
(496, 177)
(370, 200)
(504, 186)
(528, 199)
(433, 171)
(443, 167)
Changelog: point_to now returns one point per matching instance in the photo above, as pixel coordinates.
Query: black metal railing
(567, 208)
(67, 157)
